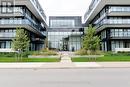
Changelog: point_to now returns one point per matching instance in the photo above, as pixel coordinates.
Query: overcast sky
(65, 7)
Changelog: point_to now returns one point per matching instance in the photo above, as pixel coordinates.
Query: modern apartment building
(65, 33)
(26, 14)
(111, 18)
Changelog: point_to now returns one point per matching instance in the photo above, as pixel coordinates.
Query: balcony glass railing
(21, 10)
(119, 9)
(112, 21)
(7, 34)
(11, 10)
(19, 22)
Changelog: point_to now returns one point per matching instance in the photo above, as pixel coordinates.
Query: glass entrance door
(65, 44)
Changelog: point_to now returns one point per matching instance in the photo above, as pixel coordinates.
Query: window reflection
(120, 32)
(62, 23)
(64, 40)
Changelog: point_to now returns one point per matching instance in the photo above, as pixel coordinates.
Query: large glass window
(6, 7)
(5, 44)
(64, 40)
(120, 44)
(103, 34)
(119, 8)
(62, 23)
(120, 32)
(99, 19)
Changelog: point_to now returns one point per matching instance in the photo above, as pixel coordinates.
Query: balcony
(39, 8)
(37, 39)
(11, 11)
(18, 12)
(7, 35)
(109, 23)
(119, 11)
(24, 23)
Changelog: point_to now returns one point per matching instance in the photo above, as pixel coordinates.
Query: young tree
(91, 42)
(21, 41)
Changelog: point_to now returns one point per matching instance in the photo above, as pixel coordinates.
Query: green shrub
(45, 52)
(84, 52)
(49, 53)
(98, 52)
(124, 53)
(7, 54)
(81, 52)
(110, 53)
(36, 53)
(13, 54)
(25, 54)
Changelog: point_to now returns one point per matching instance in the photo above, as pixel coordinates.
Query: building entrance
(65, 44)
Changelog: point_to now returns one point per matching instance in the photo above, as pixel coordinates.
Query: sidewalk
(114, 64)
(61, 65)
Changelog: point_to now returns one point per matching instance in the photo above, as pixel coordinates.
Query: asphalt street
(107, 77)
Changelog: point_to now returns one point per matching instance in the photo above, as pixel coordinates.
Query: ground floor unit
(7, 35)
(112, 45)
(113, 38)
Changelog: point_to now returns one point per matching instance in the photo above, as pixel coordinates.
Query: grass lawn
(104, 59)
(8, 59)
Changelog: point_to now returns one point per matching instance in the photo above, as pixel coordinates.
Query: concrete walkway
(65, 57)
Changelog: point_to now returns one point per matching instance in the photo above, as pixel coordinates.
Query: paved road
(65, 77)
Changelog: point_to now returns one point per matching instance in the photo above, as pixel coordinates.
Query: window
(119, 8)
(6, 7)
(64, 40)
(120, 32)
(112, 32)
(62, 23)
